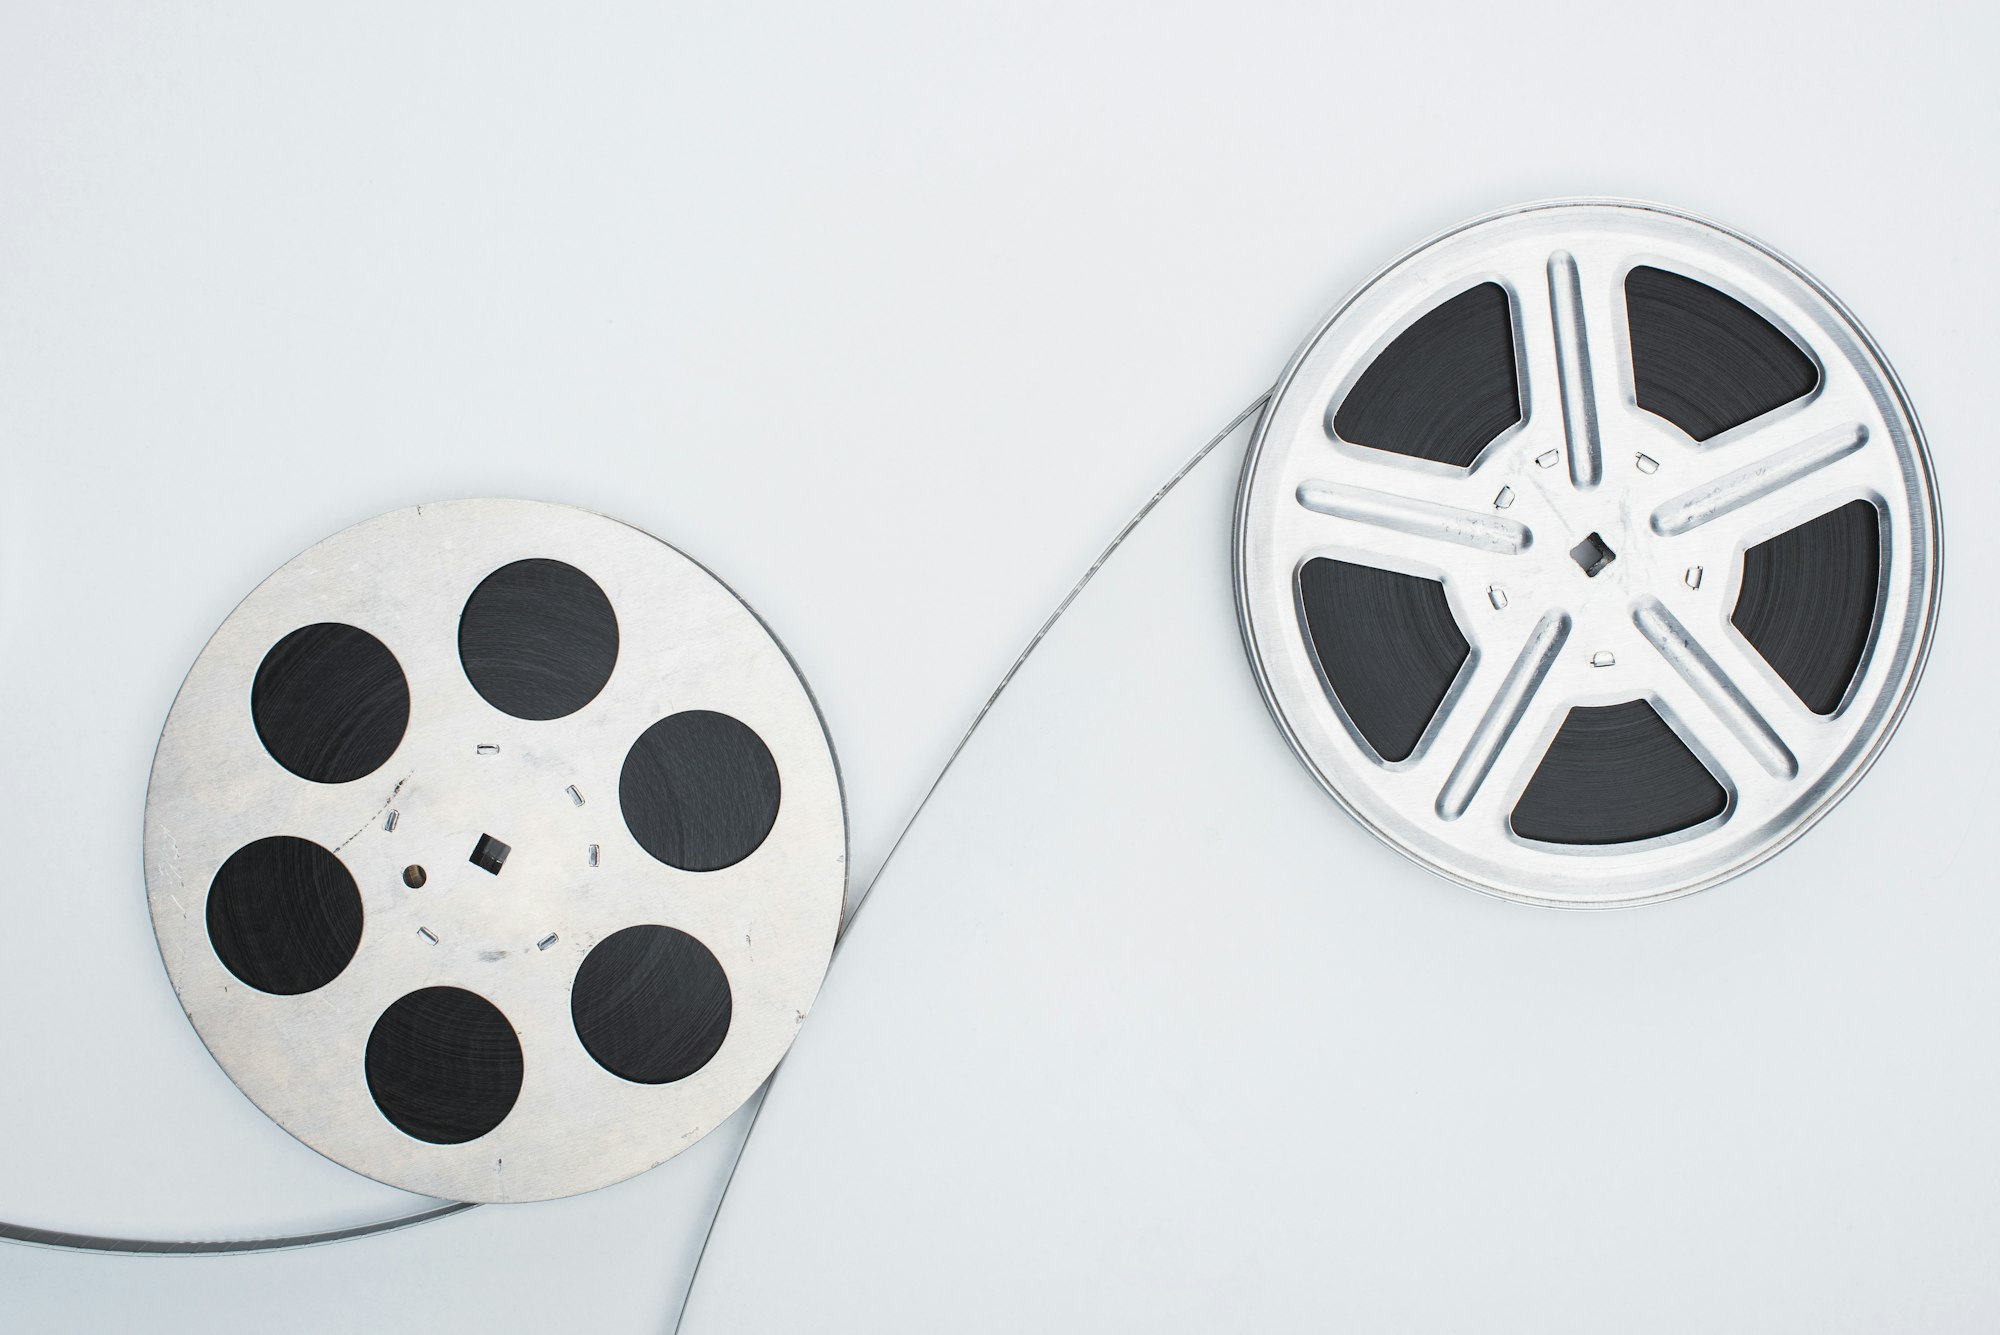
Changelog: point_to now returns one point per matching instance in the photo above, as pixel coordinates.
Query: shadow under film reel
(495, 849)
(1588, 553)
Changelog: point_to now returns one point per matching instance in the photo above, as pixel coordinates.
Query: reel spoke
(1429, 521)
(1588, 359)
(1732, 692)
(1778, 480)
(1505, 698)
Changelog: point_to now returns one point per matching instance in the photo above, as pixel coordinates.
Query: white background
(889, 314)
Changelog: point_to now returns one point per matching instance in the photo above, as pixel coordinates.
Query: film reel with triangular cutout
(1588, 553)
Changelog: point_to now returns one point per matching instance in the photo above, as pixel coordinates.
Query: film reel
(495, 849)
(1588, 554)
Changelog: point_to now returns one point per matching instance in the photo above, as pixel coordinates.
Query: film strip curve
(1444, 391)
(32, 1235)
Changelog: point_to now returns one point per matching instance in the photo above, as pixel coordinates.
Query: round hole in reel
(1588, 553)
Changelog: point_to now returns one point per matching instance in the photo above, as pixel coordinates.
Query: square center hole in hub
(1592, 554)
(489, 854)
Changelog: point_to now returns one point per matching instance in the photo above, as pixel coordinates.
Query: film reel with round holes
(495, 849)
(1588, 553)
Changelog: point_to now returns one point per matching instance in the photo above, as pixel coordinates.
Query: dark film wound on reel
(1386, 642)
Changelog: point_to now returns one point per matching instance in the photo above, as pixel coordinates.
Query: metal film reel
(1588, 553)
(495, 849)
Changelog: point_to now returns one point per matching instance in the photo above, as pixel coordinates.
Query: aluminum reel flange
(1592, 554)
(584, 1008)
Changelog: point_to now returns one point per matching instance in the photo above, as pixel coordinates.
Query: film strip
(1588, 554)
